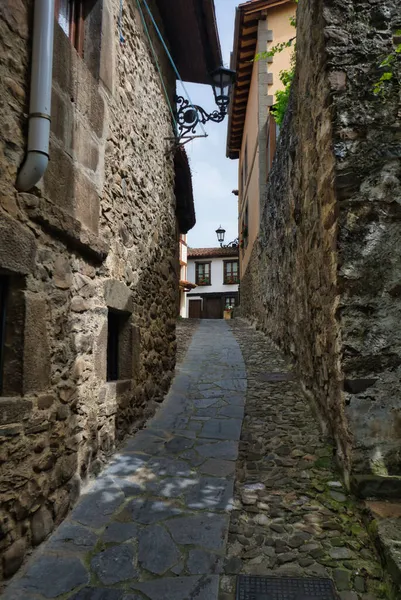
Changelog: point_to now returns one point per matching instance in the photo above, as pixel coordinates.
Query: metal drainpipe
(37, 156)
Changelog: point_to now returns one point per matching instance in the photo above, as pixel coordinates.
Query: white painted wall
(183, 304)
(216, 276)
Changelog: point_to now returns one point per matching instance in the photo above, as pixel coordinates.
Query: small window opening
(71, 18)
(230, 302)
(12, 324)
(119, 345)
(81, 21)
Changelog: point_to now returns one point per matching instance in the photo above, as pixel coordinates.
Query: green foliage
(275, 50)
(282, 96)
(380, 88)
(286, 77)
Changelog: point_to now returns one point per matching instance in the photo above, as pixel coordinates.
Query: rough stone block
(148, 512)
(157, 552)
(59, 178)
(10, 430)
(62, 62)
(120, 532)
(115, 564)
(62, 118)
(338, 80)
(15, 13)
(210, 493)
(107, 58)
(117, 295)
(63, 225)
(86, 203)
(17, 246)
(13, 557)
(62, 275)
(85, 148)
(201, 562)
(223, 429)
(36, 345)
(54, 575)
(41, 525)
(207, 530)
(14, 410)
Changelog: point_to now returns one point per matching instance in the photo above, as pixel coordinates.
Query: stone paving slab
(154, 525)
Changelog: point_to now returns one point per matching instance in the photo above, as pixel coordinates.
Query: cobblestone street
(292, 515)
(175, 517)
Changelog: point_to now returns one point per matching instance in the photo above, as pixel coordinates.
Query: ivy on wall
(286, 76)
(381, 87)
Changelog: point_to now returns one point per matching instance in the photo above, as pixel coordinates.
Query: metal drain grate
(284, 588)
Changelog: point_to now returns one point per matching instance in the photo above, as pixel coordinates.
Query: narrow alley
(190, 502)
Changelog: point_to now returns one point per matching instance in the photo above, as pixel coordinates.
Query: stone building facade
(260, 26)
(89, 257)
(324, 279)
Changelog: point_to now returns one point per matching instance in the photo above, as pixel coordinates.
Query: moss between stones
(324, 462)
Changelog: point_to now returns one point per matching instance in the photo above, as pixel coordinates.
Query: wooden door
(213, 308)
(195, 309)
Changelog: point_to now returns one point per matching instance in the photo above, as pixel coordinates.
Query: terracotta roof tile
(212, 252)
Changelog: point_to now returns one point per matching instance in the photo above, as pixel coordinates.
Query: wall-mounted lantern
(220, 232)
(190, 115)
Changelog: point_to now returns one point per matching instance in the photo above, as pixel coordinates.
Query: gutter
(37, 157)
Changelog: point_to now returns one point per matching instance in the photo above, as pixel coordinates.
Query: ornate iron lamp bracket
(190, 115)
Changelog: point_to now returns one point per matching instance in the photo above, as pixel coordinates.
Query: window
(244, 238)
(119, 345)
(3, 311)
(81, 21)
(245, 165)
(202, 273)
(229, 302)
(71, 18)
(230, 271)
(12, 324)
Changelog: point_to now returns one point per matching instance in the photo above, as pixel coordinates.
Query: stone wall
(94, 244)
(324, 275)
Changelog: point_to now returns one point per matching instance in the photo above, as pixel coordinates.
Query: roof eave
(191, 30)
(256, 8)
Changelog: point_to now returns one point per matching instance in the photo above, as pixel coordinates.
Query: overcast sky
(214, 176)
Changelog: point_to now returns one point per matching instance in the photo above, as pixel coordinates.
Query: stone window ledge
(120, 385)
(114, 388)
(64, 226)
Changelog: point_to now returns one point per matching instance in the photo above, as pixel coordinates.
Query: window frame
(197, 278)
(76, 25)
(244, 228)
(119, 349)
(245, 164)
(226, 274)
(231, 306)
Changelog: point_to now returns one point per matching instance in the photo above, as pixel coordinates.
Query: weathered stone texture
(99, 232)
(324, 273)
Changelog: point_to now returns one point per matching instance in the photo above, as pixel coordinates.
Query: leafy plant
(282, 96)
(381, 86)
(286, 76)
